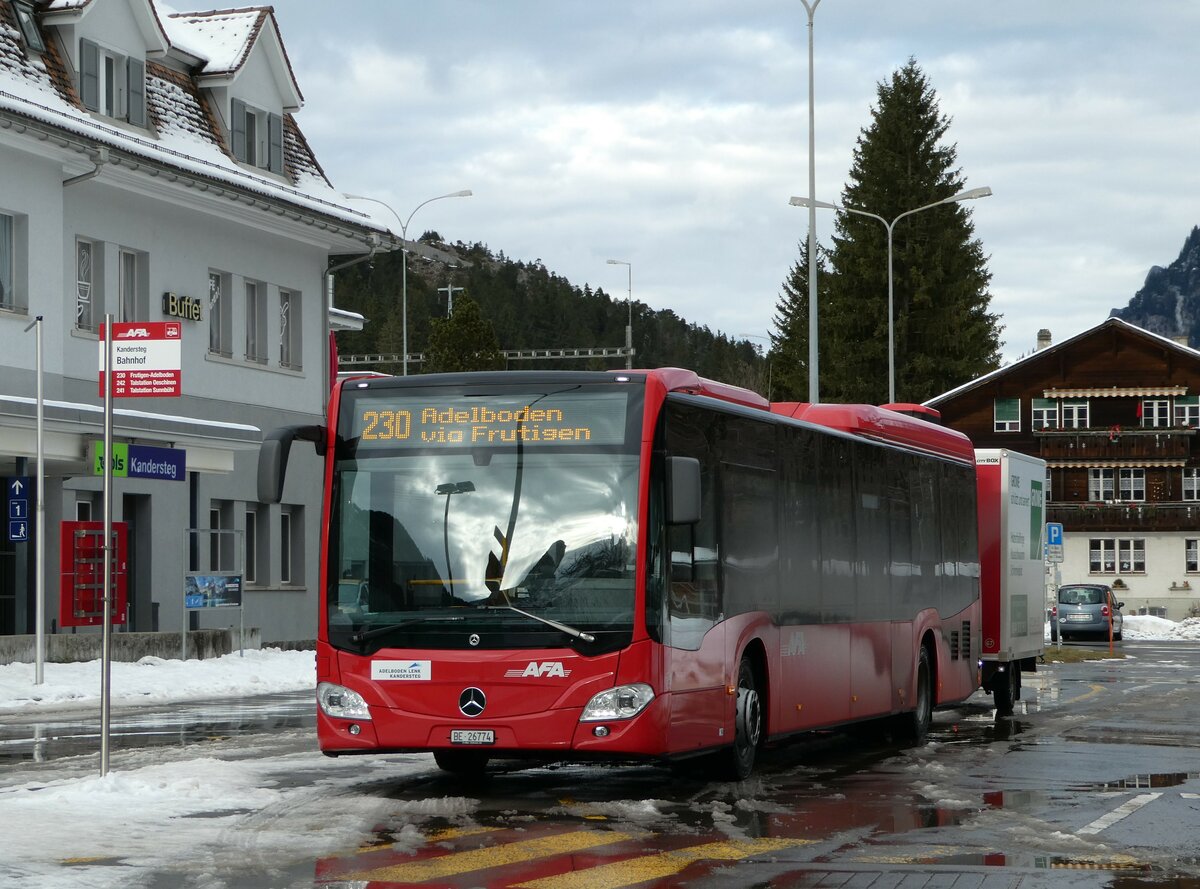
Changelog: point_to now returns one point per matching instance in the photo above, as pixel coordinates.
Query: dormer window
(28, 25)
(257, 136)
(112, 84)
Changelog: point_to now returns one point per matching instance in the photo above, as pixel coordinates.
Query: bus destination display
(574, 418)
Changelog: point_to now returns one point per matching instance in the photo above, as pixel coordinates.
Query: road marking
(664, 864)
(1095, 690)
(488, 857)
(1124, 810)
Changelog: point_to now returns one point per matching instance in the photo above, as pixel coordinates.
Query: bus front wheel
(467, 763)
(747, 724)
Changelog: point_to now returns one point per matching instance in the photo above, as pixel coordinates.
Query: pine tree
(789, 341)
(464, 341)
(943, 332)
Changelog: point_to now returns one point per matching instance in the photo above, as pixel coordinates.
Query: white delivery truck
(1012, 534)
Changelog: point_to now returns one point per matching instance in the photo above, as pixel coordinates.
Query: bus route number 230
(386, 425)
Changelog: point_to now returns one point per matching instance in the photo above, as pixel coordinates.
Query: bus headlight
(341, 703)
(622, 702)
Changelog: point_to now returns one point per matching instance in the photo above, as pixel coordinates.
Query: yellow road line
(664, 864)
(438, 836)
(491, 856)
(1095, 690)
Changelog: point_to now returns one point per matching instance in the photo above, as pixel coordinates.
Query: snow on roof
(222, 38)
(185, 135)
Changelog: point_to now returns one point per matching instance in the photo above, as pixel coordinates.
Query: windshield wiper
(570, 631)
(368, 635)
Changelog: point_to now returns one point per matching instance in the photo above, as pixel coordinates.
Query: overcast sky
(671, 133)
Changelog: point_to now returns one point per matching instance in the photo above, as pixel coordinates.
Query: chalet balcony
(1173, 443)
(1123, 517)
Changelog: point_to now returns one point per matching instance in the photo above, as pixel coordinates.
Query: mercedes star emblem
(471, 702)
(473, 639)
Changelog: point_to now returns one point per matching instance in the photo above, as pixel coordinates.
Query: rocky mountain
(1169, 301)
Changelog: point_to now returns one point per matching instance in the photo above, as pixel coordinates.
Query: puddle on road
(1137, 782)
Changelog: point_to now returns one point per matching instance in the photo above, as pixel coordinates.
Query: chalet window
(1008, 415)
(1191, 555)
(1156, 413)
(1049, 488)
(1191, 483)
(1045, 413)
(112, 84)
(1108, 555)
(28, 24)
(256, 137)
(1075, 415)
(1132, 484)
(1187, 410)
(1100, 484)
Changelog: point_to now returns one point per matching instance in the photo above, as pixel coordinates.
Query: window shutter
(1182, 400)
(135, 72)
(275, 140)
(1045, 404)
(89, 75)
(1008, 410)
(237, 129)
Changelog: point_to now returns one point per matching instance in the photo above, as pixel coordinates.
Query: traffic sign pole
(106, 643)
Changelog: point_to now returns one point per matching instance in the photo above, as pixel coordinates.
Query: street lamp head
(465, 193)
(617, 262)
(805, 202)
(970, 194)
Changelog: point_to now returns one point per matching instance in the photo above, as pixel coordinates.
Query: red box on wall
(81, 573)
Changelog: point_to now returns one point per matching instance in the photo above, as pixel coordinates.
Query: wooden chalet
(1114, 412)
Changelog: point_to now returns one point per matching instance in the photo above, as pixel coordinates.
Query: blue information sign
(18, 508)
(1054, 533)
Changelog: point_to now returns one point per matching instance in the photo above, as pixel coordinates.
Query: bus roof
(676, 379)
(869, 421)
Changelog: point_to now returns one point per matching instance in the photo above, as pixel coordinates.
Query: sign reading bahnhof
(146, 358)
(575, 418)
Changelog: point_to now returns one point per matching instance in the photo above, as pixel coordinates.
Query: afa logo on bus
(536, 668)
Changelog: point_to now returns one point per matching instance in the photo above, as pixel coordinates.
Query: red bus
(631, 565)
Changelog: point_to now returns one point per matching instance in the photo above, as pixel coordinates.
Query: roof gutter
(99, 159)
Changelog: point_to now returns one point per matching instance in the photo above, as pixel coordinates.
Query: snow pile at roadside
(155, 680)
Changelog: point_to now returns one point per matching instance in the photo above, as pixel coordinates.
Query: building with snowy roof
(152, 170)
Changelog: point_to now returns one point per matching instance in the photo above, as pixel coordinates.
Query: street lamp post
(464, 193)
(629, 305)
(970, 194)
(814, 392)
(449, 489)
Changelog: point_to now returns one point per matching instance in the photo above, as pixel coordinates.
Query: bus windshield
(495, 520)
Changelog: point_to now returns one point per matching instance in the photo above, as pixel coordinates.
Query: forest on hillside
(529, 307)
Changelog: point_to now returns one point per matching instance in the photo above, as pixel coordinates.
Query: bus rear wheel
(1006, 689)
(747, 725)
(913, 727)
(467, 763)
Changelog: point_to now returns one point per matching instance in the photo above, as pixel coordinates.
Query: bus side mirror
(273, 458)
(683, 490)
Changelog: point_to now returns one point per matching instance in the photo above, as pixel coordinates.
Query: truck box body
(1012, 534)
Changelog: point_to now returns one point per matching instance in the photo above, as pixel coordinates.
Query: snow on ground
(157, 808)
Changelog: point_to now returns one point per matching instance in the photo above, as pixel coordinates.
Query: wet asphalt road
(1094, 781)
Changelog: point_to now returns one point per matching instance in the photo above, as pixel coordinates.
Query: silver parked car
(1084, 609)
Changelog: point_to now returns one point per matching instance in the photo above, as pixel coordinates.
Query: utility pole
(449, 290)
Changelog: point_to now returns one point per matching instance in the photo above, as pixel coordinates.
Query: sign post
(140, 359)
(1054, 556)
